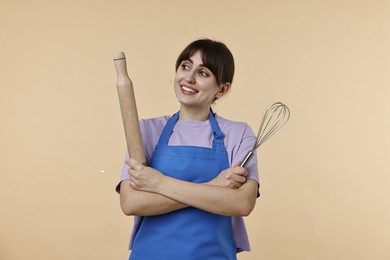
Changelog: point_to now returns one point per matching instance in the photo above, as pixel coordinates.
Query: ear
(223, 89)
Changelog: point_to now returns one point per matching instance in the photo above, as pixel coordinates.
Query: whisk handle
(247, 158)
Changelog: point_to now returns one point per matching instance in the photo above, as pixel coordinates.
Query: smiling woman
(196, 88)
(189, 200)
(205, 69)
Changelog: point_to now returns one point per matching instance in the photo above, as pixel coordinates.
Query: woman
(189, 201)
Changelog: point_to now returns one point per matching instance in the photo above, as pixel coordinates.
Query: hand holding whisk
(275, 117)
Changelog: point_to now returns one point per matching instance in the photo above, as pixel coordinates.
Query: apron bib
(188, 233)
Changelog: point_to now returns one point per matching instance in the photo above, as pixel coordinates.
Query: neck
(194, 114)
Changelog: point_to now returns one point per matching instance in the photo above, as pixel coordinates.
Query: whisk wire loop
(274, 118)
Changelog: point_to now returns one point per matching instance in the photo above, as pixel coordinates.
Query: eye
(203, 73)
(185, 66)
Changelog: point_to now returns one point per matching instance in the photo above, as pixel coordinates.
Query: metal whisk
(275, 117)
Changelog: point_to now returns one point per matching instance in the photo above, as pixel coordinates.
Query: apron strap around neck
(168, 129)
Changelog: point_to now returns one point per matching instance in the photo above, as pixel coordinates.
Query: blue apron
(189, 233)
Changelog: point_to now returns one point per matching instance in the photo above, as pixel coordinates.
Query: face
(195, 85)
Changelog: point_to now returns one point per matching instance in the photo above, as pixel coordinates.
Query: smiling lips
(188, 90)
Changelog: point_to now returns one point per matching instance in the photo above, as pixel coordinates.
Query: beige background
(325, 176)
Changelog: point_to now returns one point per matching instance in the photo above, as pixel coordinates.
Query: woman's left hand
(144, 178)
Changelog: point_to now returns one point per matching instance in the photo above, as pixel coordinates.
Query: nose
(190, 77)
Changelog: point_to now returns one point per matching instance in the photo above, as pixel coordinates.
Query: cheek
(179, 75)
(176, 80)
(176, 88)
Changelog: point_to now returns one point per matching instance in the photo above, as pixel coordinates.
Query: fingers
(134, 170)
(133, 185)
(238, 176)
(236, 182)
(135, 173)
(239, 179)
(236, 186)
(134, 164)
(238, 170)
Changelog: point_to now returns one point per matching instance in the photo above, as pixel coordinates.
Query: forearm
(142, 203)
(214, 199)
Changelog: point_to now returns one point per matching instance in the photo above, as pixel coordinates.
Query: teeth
(188, 89)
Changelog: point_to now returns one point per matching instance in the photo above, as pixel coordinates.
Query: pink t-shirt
(239, 139)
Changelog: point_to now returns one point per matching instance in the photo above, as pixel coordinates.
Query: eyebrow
(192, 62)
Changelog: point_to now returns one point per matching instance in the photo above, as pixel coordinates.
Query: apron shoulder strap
(218, 143)
(168, 129)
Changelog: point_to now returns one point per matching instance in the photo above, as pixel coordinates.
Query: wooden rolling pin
(128, 109)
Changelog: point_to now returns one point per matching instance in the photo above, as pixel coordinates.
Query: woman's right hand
(232, 177)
